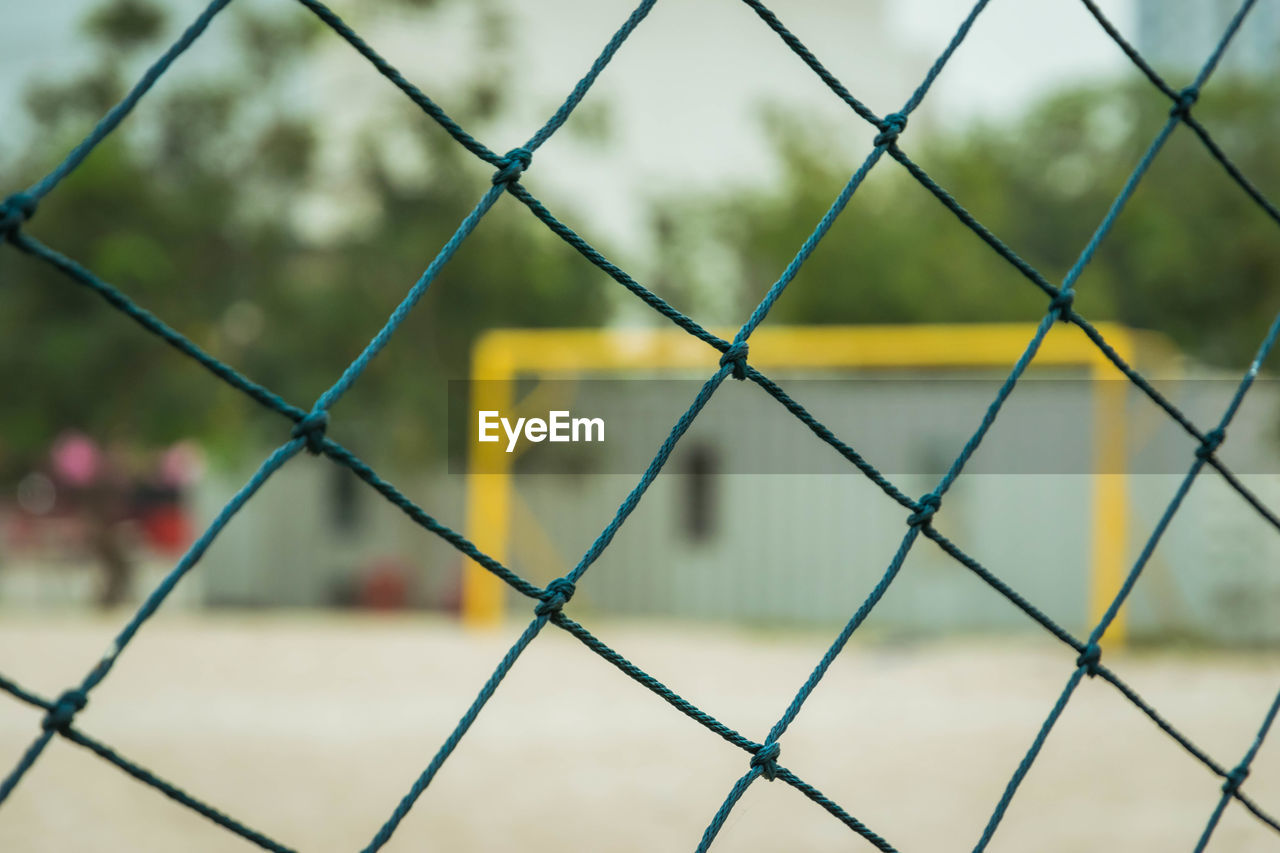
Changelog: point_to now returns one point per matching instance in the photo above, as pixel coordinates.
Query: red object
(167, 529)
(384, 585)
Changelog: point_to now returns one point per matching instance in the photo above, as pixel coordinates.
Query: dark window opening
(699, 506)
(344, 500)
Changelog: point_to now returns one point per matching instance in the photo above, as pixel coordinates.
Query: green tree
(193, 208)
(1190, 255)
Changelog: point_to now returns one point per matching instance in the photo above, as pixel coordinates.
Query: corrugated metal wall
(805, 549)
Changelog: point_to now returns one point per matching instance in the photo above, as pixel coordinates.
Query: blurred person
(99, 492)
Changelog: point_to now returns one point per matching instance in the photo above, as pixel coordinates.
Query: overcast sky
(684, 90)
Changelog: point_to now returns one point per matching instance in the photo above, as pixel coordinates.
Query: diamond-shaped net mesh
(308, 428)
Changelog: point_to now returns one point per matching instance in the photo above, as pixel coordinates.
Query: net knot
(736, 355)
(512, 166)
(1060, 305)
(64, 710)
(925, 508)
(15, 210)
(1235, 779)
(1212, 441)
(555, 597)
(1182, 106)
(766, 758)
(1089, 659)
(890, 127)
(312, 428)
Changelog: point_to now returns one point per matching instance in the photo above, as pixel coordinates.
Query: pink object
(76, 459)
(181, 465)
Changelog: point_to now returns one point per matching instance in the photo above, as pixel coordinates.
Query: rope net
(307, 431)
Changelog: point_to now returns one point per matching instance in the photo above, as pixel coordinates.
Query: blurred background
(274, 198)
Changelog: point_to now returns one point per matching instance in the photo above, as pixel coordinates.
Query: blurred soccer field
(311, 727)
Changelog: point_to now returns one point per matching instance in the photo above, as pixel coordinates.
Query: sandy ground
(310, 728)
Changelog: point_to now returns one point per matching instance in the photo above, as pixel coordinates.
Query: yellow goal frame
(500, 356)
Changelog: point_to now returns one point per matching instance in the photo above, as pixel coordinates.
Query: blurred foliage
(1190, 255)
(194, 209)
(125, 24)
(202, 208)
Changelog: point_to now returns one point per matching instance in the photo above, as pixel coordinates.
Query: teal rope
(662, 307)
(554, 597)
(1190, 747)
(398, 316)
(921, 518)
(647, 681)
(1060, 309)
(73, 700)
(575, 97)
(309, 427)
(423, 519)
(1213, 439)
(420, 784)
(389, 71)
(1107, 674)
(1130, 579)
(20, 693)
(1064, 303)
(309, 431)
(143, 775)
(157, 327)
(1238, 774)
(890, 127)
(117, 113)
(1036, 278)
(176, 794)
(824, 225)
(267, 398)
(798, 47)
(835, 810)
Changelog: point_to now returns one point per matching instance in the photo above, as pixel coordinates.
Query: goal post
(500, 357)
